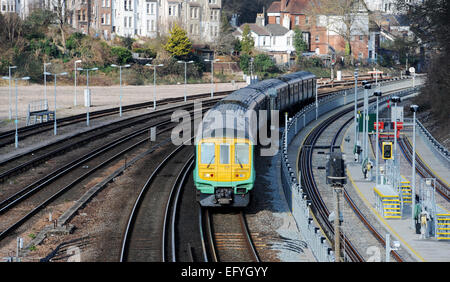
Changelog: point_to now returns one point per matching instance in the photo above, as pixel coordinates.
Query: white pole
(376, 149)
(54, 117)
(185, 80)
(212, 78)
(75, 94)
(16, 137)
(413, 194)
(88, 98)
(317, 102)
(45, 82)
(388, 247)
(154, 87)
(10, 108)
(120, 100)
(356, 108)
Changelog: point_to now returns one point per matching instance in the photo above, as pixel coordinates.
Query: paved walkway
(400, 229)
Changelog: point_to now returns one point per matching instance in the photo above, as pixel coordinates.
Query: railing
(296, 198)
(433, 143)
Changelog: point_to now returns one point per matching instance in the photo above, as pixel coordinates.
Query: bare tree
(345, 18)
(11, 27)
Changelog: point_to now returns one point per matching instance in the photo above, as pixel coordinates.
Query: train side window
(242, 153)
(224, 153)
(207, 153)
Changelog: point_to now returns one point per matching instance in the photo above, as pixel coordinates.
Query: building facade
(323, 33)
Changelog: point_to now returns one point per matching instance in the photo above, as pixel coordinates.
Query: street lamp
(121, 93)
(45, 80)
(367, 86)
(154, 82)
(251, 70)
(396, 100)
(377, 94)
(16, 138)
(75, 71)
(88, 102)
(10, 78)
(212, 74)
(414, 109)
(185, 77)
(356, 110)
(54, 115)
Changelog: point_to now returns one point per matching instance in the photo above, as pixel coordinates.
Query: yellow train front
(224, 174)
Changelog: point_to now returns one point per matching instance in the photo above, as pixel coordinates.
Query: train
(225, 146)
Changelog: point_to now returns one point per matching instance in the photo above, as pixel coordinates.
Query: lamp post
(251, 70)
(356, 109)
(45, 80)
(75, 92)
(10, 78)
(55, 132)
(88, 92)
(185, 77)
(377, 94)
(154, 82)
(121, 92)
(367, 86)
(396, 100)
(414, 109)
(212, 74)
(16, 137)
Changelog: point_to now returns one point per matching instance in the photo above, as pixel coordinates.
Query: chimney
(260, 20)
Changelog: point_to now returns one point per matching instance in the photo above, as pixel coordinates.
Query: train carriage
(224, 174)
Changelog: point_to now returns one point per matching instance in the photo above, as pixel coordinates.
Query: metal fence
(296, 198)
(434, 144)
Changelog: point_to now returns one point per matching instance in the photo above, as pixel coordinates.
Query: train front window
(224, 154)
(208, 154)
(242, 154)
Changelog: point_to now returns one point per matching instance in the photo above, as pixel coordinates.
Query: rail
(295, 196)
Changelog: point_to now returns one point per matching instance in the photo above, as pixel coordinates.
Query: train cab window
(224, 153)
(242, 153)
(208, 154)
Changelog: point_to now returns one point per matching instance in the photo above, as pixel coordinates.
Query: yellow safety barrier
(387, 203)
(443, 226)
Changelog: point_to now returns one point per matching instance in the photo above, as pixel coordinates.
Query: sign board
(412, 70)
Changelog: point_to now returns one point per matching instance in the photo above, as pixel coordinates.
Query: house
(324, 33)
(274, 39)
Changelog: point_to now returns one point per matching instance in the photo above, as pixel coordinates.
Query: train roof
(296, 76)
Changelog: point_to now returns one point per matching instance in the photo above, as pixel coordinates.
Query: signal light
(387, 151)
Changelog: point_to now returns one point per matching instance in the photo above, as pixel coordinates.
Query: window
(242, 154)
(360, 38)
(148, 8)
(207, 153)
(274, 40)
(278, 20)
(288, 41)
(224, 154)
(306, 20)
(297, 20)
(317, 38)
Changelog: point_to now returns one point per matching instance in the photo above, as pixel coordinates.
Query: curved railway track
(353, 205)
(145, 234)
(118, 149)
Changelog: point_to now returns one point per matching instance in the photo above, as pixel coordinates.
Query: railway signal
(387, 151)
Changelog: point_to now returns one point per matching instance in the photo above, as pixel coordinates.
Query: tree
(299, 44)
(178, 44)
(226, 42)
(247, 42)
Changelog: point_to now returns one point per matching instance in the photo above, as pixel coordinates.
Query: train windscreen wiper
(239, 161)
(210, 162)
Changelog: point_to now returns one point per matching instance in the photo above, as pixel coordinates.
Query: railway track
(48, 189)
(226, 237)
(22, 162)
(423, 169)
(7, 137)
(352, 203)
(145, 235)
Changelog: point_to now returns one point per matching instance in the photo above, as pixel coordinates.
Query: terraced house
(148, 18)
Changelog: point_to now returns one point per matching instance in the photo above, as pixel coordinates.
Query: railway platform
(401, 229)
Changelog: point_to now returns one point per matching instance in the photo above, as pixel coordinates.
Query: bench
(38, 111)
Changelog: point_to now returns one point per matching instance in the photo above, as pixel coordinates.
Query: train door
(225, 169)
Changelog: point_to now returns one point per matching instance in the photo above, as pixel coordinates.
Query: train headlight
(240, 175)
(208, 175)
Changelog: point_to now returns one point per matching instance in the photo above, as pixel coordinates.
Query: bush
(122, 55)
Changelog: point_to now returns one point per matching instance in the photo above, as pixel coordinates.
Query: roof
(297, 6)
(276, 29)
(293, 7)
(274, 7)
(256, 29)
